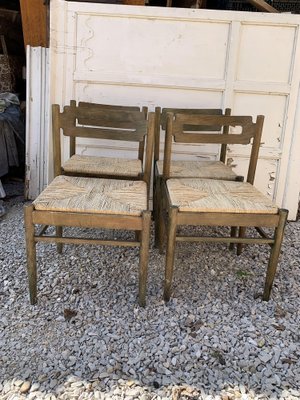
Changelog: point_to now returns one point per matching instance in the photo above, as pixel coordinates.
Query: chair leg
(159, 221)
(155, 183)
(31, 253)
(160, 229)
(144, 257)
(275, 251)
(156, 196)
(233, 233)
(137, 235)
(59, 232)
(170, 256)
(240, 246)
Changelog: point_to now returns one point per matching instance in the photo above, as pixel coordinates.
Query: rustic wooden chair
(102, 203)
(212, 202)
(121, 123)
(212, 169)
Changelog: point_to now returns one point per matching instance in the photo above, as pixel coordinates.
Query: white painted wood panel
(38, 146)
(172, 57)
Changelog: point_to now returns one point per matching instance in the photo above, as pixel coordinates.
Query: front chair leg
(275, 251)
(170, 256)
(59, 232)
(144, 257)
(31, 253)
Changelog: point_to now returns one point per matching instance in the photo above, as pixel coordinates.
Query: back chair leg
(240, 246)
(233, 233)
(155, 202)
(170, 256)
(158, 218)
(144, 257)
(161, 227)
(31, 253)
(137, 235)
(156, 206)
(59, 232)
(275, 251)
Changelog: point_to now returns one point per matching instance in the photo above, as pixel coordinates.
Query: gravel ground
(88, 339)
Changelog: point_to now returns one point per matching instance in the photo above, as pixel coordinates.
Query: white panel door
(172, 57)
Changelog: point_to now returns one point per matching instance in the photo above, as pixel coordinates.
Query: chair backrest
(98, 121)
(179, 129)
(161, 122)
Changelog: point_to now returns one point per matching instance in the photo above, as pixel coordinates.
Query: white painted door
(171, 57)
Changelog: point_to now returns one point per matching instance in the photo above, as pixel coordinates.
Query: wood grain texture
(208, 195)
(56, 140)
(93, 195)
(107, 117)
(34, 22)
(247, 131)
(87, 220)
(183, 124)
(187, 111)
(108, 122)
(109, 107)
(104, 133)
(161, 120)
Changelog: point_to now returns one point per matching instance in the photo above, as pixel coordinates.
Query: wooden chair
(212, 202)
(88, 120)
(212, 169)
(85, 202)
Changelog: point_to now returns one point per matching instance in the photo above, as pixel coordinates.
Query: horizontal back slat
(103, 133)
(91, 106)
(107, 118)
(212, 138)
(100, 123)
(113, 119)
(190, 111)
(183, 122)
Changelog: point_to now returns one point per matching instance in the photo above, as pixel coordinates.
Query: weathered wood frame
(95, 121)
(176, 218)
(161, 123)
(140, 224)
(250, 131)
(137, 223)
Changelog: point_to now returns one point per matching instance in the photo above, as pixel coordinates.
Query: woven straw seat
(210, 195)
(199, 169)
(93, 195)
(92, 165)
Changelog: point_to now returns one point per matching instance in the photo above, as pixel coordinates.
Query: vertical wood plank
(34, 22)
(37, 121)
